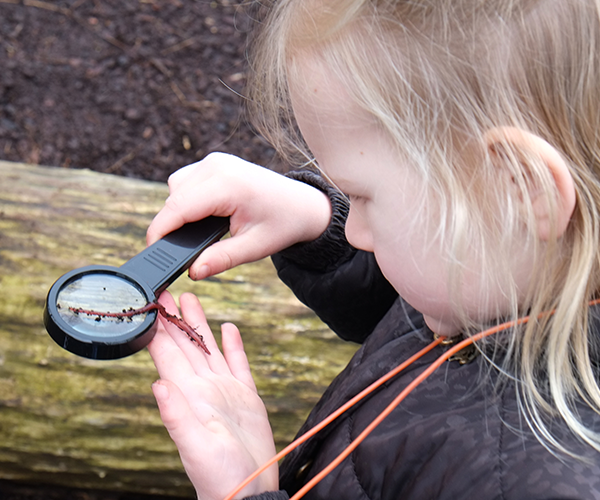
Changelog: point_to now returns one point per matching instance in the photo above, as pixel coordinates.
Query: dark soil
(136, 88)
(131, 87)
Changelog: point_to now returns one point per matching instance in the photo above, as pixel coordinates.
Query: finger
(167, 220)
(241, 248)
(177, 416)
(183, 357)
(192, 202)
(167, 300)
(219, 257)
(194, 315)
(182, 175)
(194, 354)
(179, 182)
(170, 361)
(233, 350)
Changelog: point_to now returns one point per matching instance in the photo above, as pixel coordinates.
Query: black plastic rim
(96, 346)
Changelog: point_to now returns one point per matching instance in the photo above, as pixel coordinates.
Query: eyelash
(355, 198)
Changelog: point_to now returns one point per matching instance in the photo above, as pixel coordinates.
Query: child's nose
(358, 232)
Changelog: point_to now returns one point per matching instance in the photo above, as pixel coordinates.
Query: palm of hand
(210, 407)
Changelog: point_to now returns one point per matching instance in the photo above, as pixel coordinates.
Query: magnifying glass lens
(102, 293)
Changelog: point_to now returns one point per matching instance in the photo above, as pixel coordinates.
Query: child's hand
(268, 211)
(210, 406)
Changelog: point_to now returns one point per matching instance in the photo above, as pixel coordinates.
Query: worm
(180, 323)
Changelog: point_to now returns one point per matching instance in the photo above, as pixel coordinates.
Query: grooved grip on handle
(163, 262)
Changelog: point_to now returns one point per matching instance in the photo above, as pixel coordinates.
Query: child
(465, 136)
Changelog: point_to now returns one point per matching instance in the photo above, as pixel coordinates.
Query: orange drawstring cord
(409, 388)
(333, 416)
(415, 383)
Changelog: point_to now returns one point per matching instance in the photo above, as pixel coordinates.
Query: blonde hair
(437, 75)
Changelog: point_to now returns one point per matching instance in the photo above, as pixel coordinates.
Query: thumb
(227, 254)
(175, 412)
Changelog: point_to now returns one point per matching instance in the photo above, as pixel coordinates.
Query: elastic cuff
(331, 248)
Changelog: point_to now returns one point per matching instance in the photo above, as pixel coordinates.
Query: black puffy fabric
(350, 299)
(454, 437)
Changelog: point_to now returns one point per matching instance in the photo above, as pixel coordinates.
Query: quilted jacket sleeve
(270, 495)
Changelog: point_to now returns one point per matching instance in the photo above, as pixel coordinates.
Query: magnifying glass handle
(163, 262)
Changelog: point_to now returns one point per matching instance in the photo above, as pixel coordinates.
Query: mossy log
(94, 424)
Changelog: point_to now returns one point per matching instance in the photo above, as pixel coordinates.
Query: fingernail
(203, 272)
(161, 392)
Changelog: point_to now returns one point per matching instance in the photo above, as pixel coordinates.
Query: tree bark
(94, 424)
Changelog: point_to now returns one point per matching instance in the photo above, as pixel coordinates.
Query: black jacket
(454, 437)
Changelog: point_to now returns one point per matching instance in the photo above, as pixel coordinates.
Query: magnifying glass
(130, 287)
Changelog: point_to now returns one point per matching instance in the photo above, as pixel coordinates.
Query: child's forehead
(309, 77)
(319, 93)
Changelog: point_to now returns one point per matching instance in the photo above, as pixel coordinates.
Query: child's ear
(531, 145)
